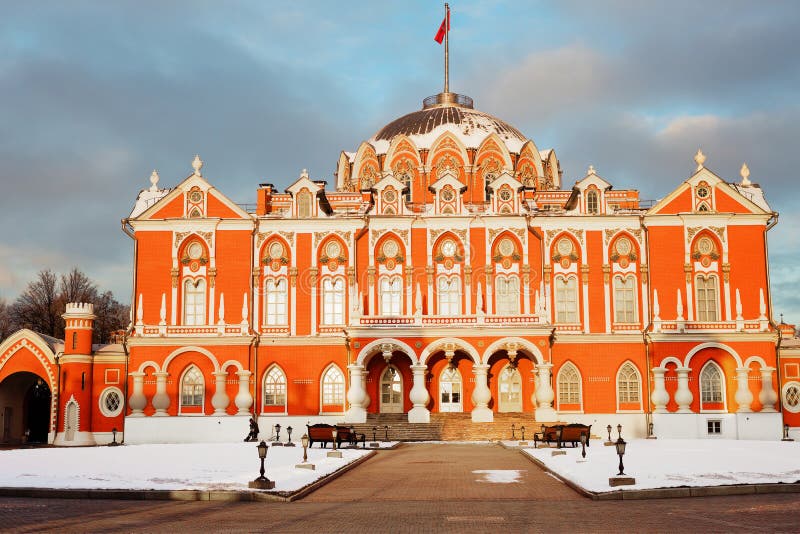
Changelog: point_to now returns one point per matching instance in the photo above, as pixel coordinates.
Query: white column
(660, 395)
(544, 394)
(244, 399)
(607, 300)
(585, 321)
(683, 396)
(645, 295)
(768, 397)
(137, 400)
(314, 319)
(419, 396)
(173, 316)
(727, 288)
(367, 399)
(526, 294)
(489, 295)
(161, 399)
(689, 303)
(220, 399)
(744, 397)
(481, 395)
(355, 395)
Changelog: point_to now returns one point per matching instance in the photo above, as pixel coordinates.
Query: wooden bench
(322, 433)
(569, 434)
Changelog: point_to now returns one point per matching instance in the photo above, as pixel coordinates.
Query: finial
(154, 181)
(304, 174)
(197, 164)
(700, 159)
(745, 172)
(591, 170)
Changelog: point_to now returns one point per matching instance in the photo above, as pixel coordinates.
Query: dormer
(389, 198)
(305, 193)
(504, 194)
(447, 192)
(591, 192)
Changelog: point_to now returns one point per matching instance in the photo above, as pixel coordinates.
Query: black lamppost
(289, 431)
(513, 428)
(786, 433)
(559, 432)
(583, 445)
(620, 445)
(335, 433)
(522, 429)
(650, 430)
(354, 443)
(619, 431)
(277, 432)
(262, 482)
(114, 436)
(386, 429)
(304, 442)
(374, 429)
(609, 433)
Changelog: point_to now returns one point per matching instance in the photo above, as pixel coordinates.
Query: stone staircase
(449, 427)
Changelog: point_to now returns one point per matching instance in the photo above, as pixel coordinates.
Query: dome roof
(448, 112)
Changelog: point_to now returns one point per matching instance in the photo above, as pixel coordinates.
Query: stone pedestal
(262, 484)
(312, 467)
(621, 481)
(334, 454)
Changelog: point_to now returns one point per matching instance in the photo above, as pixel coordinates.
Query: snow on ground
(666, 463)
(498, 476)
(200, 466)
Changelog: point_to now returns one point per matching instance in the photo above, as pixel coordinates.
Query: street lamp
(289, 431)
(609, 433)
(620, 445)
(278, 432)
(374, 429)
(114, 436)
(262, 482)
(559, 431)
(786, 433)
(304, 442)
(513, 428)
(619, 431)
(583, 445)
(386, 429)
(522, 429)
(335, 433)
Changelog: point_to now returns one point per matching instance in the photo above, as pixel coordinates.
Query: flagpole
(446, 48)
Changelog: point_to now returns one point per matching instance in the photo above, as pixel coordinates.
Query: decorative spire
(738, 306)
(197, 164)
(745, 173)
(591, 170)
(221, 309)
(244, 310)
(154, 181)
(162, 313)
(304, 173)
(680, 307)
(700, 159)
(656, 307)
(139, 311)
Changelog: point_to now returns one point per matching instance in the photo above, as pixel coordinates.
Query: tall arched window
(566, 299)
(711, 385)
(706, 289)
(192, 387)
(275, 310)
(569, 385)
(449, 293)
(275, 387)
(333, 301)
(625, 299)
(333, 387)
(391, 295)
(507, 295)
(592, 204)
(194, 302)
(628, 388)
(304, 204)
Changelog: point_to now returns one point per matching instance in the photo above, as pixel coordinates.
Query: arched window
(275, 310)
(74, 340)
(510, 390)
(333, 301)
(711, 384)
(566, 299)
(791, 397)
(507, 295)
(304, 204)
(450, 387)
(275, 387)
(192, 387)
(332, 387)
(592, 204)
(625, 299)
(391, 295)
(706, 289)
(628, 388)
(194, 302)
(569, 385)
(449, 295)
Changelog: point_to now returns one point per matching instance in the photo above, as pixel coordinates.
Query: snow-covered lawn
(665, 463)
(201, 466)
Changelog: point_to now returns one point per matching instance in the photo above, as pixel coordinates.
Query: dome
(448, 112)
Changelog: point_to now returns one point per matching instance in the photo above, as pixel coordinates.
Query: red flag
(444, 28)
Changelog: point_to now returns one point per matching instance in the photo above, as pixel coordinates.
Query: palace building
(449, 268)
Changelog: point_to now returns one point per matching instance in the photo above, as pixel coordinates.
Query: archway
(391, 390)
(25, 400)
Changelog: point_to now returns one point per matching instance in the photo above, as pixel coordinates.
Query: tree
(6, 326)
(111, 316)
(39, 306)
(77, 287)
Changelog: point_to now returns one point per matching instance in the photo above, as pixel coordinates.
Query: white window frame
(785, 391)
(448, 302)
(566, 308)
(276, 302)
(592, 197)
(202, 395)
(624, 296)
(195, 302)
(569, 366)
(390, 295)
(507, 294)
(333, 300)
(705, 299)
(638, 376)
(722, 391)
(305, 202)
(101, 401)
(331, 391)
(267, 384)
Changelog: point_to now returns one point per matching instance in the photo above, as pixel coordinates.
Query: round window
(389, 195)
(195, 197)
(564, 246)
(505, 195)
(449, 248)
(390, 248)
(791, 397)
(702, 191)
(448, 195)
(623, 246)
(276, 251)
(705, 245)
(111, 402)
(506, 247)
(195, 250)
(333, 249)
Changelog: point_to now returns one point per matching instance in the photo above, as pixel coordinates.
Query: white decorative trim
(101, 401)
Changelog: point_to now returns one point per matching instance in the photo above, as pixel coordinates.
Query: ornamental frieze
(494, 232)
(719, 230)
(611, 232)
(180, 236)
(319, 236)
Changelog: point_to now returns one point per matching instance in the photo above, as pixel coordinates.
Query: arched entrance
(391, 391)
(450, 390)
(25, 401)
(510, 390)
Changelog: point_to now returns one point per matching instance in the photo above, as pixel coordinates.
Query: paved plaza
(418, 488)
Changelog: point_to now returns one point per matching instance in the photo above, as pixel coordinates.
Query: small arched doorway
(510, 390)
(450, 388)
(25, 399)
(391, 391)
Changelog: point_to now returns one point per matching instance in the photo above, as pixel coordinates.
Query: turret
(79, 318)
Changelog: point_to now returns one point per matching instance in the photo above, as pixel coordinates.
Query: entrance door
(72, 421)
(510, 385)
(450, 391)
(391, 391)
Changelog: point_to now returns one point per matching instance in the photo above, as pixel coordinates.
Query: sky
(95, 95)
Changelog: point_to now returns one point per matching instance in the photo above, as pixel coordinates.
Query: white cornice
(188, 340)
(730, 337)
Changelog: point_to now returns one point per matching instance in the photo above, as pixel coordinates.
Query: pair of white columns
(683, 396)
(419, 396)
(220, 400)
